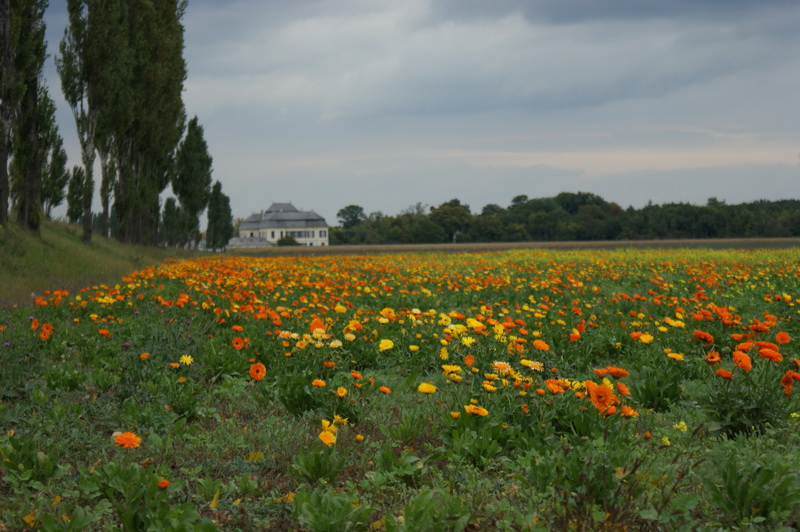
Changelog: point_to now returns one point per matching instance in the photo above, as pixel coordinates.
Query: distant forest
(567, 217)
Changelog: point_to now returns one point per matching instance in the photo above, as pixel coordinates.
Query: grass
(59, 260)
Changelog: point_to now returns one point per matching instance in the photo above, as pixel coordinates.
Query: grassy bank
(58, 260)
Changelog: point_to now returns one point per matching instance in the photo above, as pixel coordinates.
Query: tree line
(568, 216)
(122, 72)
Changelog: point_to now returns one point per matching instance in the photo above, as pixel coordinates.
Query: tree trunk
(6, 81)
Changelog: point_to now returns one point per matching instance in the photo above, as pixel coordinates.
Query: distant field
(715, 243)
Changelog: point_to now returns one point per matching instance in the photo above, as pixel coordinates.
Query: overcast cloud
(386, 104)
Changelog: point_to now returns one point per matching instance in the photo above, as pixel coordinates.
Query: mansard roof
(283, 216)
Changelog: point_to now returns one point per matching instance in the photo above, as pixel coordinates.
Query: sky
(390, 104)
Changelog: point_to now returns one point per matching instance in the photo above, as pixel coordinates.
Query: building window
(323, 234)
(273, 234)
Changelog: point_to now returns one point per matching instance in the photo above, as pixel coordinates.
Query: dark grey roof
(282, 216)
(282, 207)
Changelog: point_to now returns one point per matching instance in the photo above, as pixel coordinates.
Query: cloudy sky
(384, 104)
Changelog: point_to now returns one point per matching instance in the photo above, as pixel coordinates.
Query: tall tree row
(27, 125)
(122, 72)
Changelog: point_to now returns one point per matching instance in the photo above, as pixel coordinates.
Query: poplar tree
(151, 115)
(192, 180)
(75, 195)
(30, 131)
(74, 67)
(220, 219)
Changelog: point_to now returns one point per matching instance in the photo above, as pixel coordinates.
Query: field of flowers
(518, 390)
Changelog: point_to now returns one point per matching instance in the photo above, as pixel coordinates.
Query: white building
(280, 220)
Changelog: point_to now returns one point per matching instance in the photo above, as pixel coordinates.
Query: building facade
(283, 220)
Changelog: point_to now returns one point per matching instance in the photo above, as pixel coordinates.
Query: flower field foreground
(535, 390)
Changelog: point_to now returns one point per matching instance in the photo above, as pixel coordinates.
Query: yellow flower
(341, 392)
(339, 420)
(328, 438)
(675, 356)
(385, 345)
(426, 388)
(488, 387)
(666, 441)
(455, 415)
(335, 344)
(359, 438)
(455, 377)
(327, 426)
(413, 348)
(476, 410)
(450, 368)
(532, 364)
(186, 360)
(681, 426)
(646, 338)
(443, 354)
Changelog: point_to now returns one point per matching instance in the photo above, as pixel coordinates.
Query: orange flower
(725, 374)
(356, 375)
(319, 383)
(628, 411)
(341, 392)
(469, 360)
(619, 373)
(129, 440)
(601, 372)
(237, 328)
(602, 396)
(704, 337)
(743, 361)
(104, 332)
(622, 389)
(163, 484)
(328, 364)
(34, 324)
(541, 345)
(44, 334)
(713, 357)
(770, 354)
(783, 338)
(144, 356)
(238, 343)
(258, 371)
(316, 323)
(385, 390)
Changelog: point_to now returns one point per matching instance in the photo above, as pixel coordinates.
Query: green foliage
(750, 402)
(434, 510)
(317, 465)
(754, 491)
(287, 240)
(20, 458)
(138, 501)
(326, 511)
